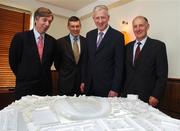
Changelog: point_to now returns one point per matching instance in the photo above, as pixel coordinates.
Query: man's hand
(82, 87)
(112, 94)
(153, 101)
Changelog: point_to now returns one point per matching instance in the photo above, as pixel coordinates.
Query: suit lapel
(144, 52)
(69, 47)
(94, 38)
(105, 39)
(82, 46)
(45, 49)
(129, 53)
(33, 44)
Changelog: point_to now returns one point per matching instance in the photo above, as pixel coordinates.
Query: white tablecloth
(34, 113)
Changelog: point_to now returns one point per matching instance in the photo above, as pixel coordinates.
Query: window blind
(11, 22)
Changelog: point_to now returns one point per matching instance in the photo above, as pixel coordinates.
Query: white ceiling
(73, 5)
(64, 8)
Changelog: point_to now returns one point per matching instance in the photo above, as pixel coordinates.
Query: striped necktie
(100, 39)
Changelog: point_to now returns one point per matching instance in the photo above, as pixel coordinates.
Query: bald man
(146, 65)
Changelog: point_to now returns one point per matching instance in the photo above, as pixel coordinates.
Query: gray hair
(142, 17)
(100, 7)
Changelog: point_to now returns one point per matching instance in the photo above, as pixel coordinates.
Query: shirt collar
(72, 37)
(142, 41)
(37, 34)
(104, 31)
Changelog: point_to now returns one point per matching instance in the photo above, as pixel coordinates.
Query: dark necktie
(76, 50)
(137, 51)
(100, 38)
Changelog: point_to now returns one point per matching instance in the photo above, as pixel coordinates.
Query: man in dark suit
(104, 57)
(146, 64)
(31, 54)
(68, 59)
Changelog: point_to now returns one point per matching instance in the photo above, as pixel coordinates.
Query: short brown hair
(43, 12)
(73, 18)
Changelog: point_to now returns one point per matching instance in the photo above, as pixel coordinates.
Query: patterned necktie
(40, 46)
(137, 51)
(76, 50)
(100, 39)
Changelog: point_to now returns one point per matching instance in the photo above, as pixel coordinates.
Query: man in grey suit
(146, 64)
(31, 55)
(68, 59)
(104, 58)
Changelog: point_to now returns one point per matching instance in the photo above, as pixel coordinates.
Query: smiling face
(101, 19)
(74, 27)
(140, 27)
(42, 24)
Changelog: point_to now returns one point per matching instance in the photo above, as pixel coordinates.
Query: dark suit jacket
(69, 71)
(149, 74)
(104, 65)
(32, 76)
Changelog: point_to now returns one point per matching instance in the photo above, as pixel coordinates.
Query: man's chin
(75, 35)
(101, 28)
(45, 30)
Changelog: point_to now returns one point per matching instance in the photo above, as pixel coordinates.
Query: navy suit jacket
(69, 71)
(149, 74)
(104, 65)
(32, 75)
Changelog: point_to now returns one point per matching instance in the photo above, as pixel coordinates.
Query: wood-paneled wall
(170, 103)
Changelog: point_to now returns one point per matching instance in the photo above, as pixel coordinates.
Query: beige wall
(58, 27)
